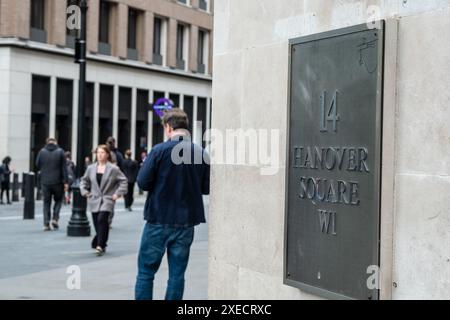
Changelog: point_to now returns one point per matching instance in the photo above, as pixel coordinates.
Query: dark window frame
(157, 35)
(132, 28)
(181, 29)
(37, 14)
(104, 19)
(73, 33)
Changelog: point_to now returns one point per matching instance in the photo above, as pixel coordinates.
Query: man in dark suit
(51, 162)
(176, 175)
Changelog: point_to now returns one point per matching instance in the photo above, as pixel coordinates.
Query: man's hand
(115, 197)
(88, 195)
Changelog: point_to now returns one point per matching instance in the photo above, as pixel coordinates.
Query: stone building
(138, 51)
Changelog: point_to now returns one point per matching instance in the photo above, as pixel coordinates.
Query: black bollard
(15, 188)
(23, 184)
(39, 187)
(28, 208)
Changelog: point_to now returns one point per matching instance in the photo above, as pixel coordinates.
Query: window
(64, 94)
(103, 31)
(37, 21)
(201, 51)
(104, 22)
(185, 2)
(40, 110)
(71, 34)
(159, 40)
(69, 31)
(203, 4)
(180, 47)
(180, 41)
(157, 31)
(37, 14)
(132, 23)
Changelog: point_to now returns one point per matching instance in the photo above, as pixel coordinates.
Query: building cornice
(68, 52)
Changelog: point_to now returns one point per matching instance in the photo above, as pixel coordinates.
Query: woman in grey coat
(102, 184)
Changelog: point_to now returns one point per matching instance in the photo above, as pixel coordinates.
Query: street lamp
(79, 224)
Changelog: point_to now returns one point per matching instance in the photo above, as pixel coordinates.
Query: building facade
(138, 51)
(247, 213)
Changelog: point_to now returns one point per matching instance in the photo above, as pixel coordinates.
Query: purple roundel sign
(162, 105)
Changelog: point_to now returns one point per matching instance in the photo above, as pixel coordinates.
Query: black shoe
(1, 203)
(47, 228)
(129, 209)
(9, 202)
(55, 224)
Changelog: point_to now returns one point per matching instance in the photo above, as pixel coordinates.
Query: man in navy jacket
(176, 175)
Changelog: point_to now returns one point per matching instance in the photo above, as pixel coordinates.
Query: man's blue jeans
(155, 240)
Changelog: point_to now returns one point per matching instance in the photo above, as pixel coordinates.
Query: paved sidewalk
(33, 263)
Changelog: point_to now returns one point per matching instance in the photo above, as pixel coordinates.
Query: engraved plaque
(332, 222)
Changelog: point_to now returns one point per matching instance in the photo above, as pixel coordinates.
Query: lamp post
(79, 224)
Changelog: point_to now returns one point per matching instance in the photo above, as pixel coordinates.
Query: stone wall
(250, 92)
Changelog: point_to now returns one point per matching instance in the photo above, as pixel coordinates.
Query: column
(57, 18)
(93, 16)
(120, 32)
(193, 52)
(52, 115)
(96, 115)
(148, 39)
(172, 43)
(195, 131)
(116, 112)
(210, 52)
(133, 121)
(208, 122)
(75, 120)
(164, 41)
(181, 101)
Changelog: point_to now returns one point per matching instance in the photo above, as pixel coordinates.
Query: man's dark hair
(7, 160)
(176, 119)
(111, 142)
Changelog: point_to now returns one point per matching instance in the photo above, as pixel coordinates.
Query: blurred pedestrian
(174, 206)
(5, 177)
(51, 162)
(143, 158)
(141, 163)
(70, 175)
(87, 162)
(116, 155)
(117, 159)
(131, 170)
(102, 184)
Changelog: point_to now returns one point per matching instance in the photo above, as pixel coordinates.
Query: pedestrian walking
(5, 177)
(102, 184)
(131, 170)
(87, 162)
(117, 159)
(174, 205)
(141, 163)
(70, 175)
(116, 155)
(51, 162)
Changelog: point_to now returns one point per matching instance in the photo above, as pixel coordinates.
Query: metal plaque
(332, 225)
